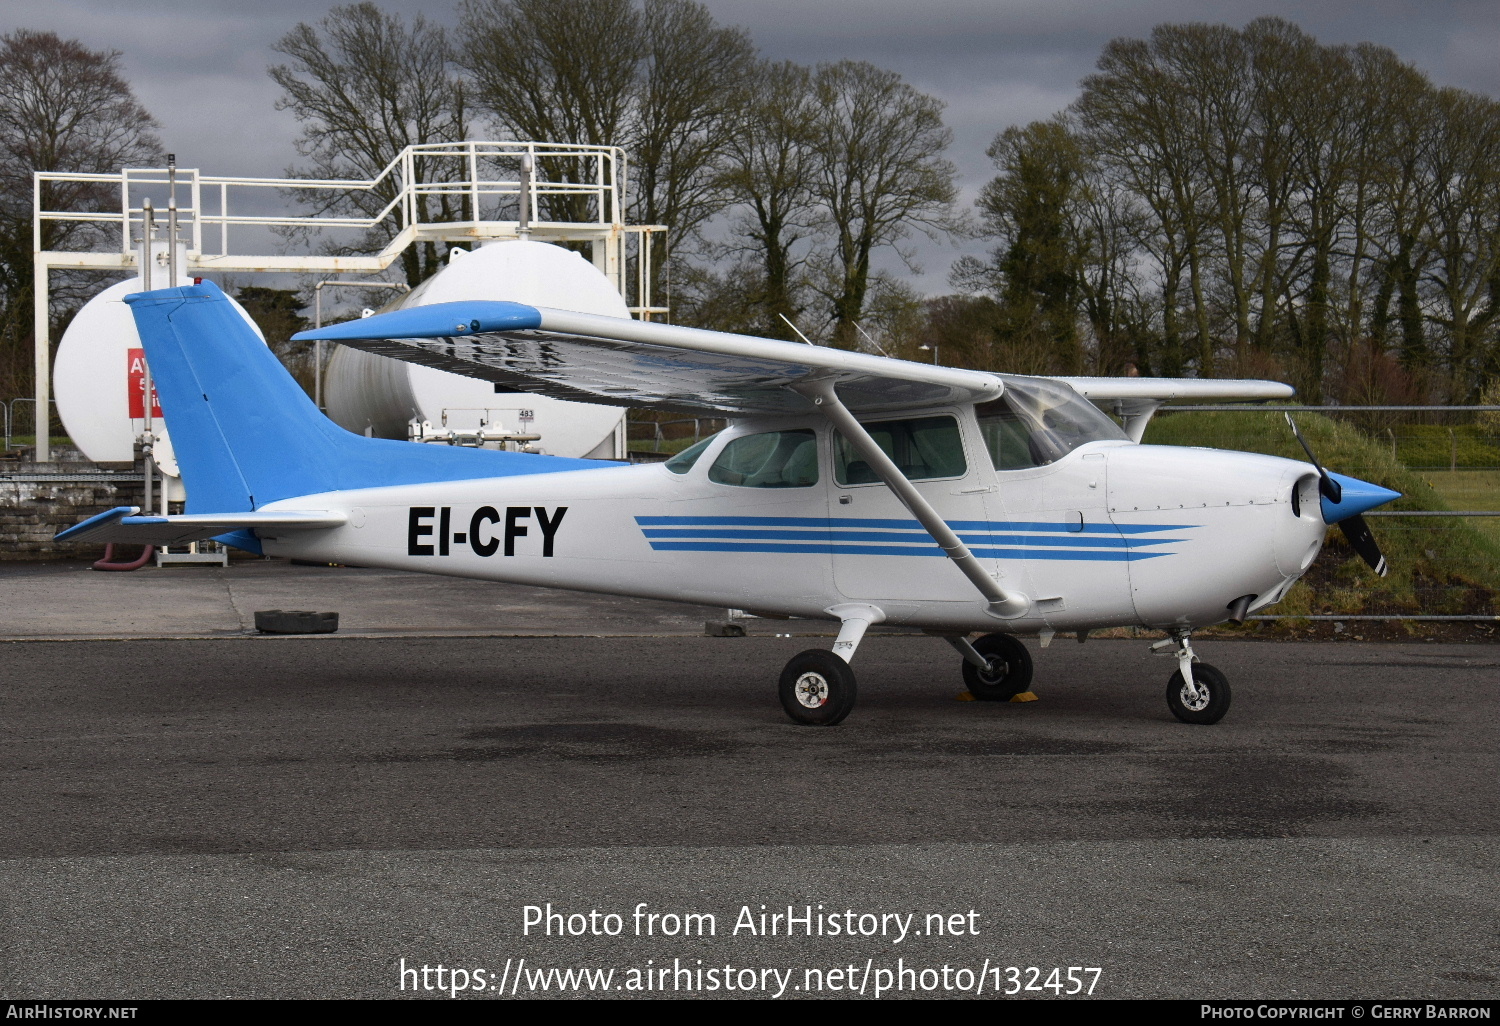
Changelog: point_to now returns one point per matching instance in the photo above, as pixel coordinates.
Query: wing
(121, 525)
(1106, 392)
(620, 362)
(1134, 400)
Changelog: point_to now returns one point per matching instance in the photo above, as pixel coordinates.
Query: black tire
(1009, 672)
(1210, 708)
(817, 688)
(295, 621)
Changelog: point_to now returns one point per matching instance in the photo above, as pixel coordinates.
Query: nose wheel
(1205, 702)
(1197, 692)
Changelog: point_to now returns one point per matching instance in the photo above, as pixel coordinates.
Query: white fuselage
(1112, 534)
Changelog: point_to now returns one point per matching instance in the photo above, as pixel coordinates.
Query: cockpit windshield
(1036, 422)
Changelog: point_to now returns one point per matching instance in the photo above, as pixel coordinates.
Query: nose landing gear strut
(1197, 692)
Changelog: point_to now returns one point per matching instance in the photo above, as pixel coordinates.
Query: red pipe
(136, 564)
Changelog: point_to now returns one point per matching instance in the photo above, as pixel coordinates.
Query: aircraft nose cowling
(1357, 497)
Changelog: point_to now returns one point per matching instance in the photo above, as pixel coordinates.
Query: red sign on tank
(136, 378)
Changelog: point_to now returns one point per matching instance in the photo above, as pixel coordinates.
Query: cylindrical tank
(99, 378)
(380, 396)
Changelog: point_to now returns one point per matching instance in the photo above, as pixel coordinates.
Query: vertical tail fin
(246, 434)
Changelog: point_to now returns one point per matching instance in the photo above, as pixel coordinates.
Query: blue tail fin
(246, 434)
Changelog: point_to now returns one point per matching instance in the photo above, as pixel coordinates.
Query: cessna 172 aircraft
(848, 487)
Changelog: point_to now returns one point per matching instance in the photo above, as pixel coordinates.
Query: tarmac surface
(200, 812)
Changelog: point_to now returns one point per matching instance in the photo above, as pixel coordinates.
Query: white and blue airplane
(848, 488)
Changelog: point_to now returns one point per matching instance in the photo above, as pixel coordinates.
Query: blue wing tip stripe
(440, 320)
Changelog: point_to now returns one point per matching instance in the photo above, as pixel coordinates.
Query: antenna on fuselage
(789, 324)
(877, 346)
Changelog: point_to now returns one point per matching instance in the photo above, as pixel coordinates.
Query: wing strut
(1002, 604)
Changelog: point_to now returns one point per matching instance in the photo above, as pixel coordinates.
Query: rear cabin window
(683, 461)
(771, 459)
(923, 448)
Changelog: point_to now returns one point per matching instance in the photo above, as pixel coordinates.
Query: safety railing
(465, 192)
(486, 178)
(656, 430)
(8, 414)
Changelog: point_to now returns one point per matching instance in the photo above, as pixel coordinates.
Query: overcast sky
(200, 67)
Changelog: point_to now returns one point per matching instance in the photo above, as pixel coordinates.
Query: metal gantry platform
(491, 190)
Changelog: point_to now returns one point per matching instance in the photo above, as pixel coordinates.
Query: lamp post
(934, 350)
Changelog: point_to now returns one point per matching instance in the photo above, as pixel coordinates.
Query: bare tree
(1031, 207)
(769, 168)
(1384, 88)
(693, 85)
(661, 79)
(880, 174)
(63, 107)
(365, 85)
(554, 72)
(1464, 169)
(1135, 115)
(1312, 197)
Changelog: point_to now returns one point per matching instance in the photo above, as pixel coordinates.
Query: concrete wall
(39, 499)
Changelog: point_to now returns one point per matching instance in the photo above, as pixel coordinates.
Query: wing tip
(108, 517)
(439, 320)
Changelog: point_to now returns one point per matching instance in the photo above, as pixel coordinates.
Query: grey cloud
(201, 67)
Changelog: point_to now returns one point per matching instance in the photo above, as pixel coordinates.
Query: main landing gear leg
(817, 687)
(996, 667)
(1197, 692)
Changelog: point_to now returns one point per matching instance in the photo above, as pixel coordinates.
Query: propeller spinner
(1343, 500)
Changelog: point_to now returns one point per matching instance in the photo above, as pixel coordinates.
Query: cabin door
(880, 551)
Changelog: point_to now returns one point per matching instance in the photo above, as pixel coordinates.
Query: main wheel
(1213, 695)
(817, 688)
(1008, 672)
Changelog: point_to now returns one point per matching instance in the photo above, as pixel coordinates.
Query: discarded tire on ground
(295, 621)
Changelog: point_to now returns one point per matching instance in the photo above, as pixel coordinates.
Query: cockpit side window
(771, 459)
(1037, 422)
(924, 448)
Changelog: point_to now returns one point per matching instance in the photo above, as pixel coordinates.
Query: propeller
(1358, 533)
(1327, 486)
(1363, 497)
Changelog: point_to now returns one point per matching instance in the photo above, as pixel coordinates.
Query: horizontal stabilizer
(123, 525)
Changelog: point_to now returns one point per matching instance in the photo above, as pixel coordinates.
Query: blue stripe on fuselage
(854, 535)
(789, 534)
(1019, 526)
(830, 548)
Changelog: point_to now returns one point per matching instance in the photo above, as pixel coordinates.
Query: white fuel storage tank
(381, 397)
(99, 378)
